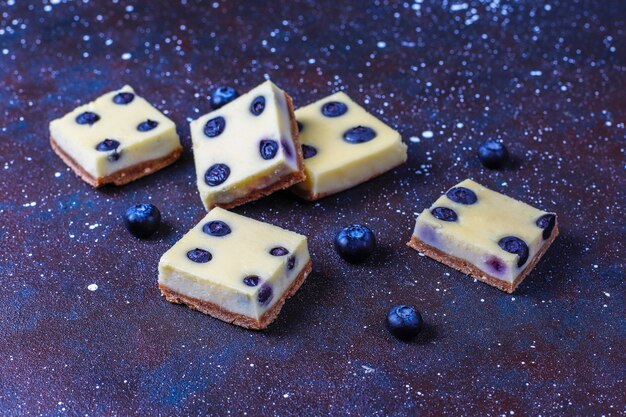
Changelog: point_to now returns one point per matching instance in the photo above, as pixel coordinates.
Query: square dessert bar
(115, 139)
(487, 235)
(247, 149)
(343, 146)
(235, 269)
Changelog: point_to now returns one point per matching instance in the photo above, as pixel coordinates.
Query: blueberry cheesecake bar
(247, 149)
(115, 139)
(485, 234)
(343, 146)
(235, 269)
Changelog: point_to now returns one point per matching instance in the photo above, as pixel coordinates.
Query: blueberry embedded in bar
(485, 234)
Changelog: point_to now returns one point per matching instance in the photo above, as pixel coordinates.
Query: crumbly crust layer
(288, 180)
(218, 312)
(309, 196)
(472, 270)
(120, 177)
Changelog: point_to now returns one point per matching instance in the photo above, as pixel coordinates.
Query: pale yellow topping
(238, 146)
(118, 122)
(338, 164)
(243, 252)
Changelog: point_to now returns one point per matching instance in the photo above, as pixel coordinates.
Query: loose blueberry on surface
(308, 151)
(265, 294)
(222, 96)
(404, 322)
(462, 195)
(291, 263)
(300, 126)
(359, 134)
(251, 280)
(493, 155)
(268, 149)
(87, 118)
(216, 228)
(257, 106)
(514, 244)
(214, 127)
(334, 109)
(123, 97)
(142, 220)
(279, 251)
(444, 213)
(355, 243)
(107, 145)
(216, 174)
(199, 256)
(547, 223)
(147, 125)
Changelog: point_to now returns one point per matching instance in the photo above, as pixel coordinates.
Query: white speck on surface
(93, 226)
(427, 134)
(458, 7)
(536, 73)
(126, 56)
(367, 369)
(92, 287)
(57, 174)
(381, 44)
(414, 139)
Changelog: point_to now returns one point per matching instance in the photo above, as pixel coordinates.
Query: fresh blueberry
(308, 151)
(268, 148)
(513, 244)
(107, 145)
(493, 155)
(214, 127)
(279, 251)
(142, 220)
(462, 195)
(355, 243)
(404, 322)
(291, 263)
(147, 125)
(359, 134)
(334, 109)
(222, 96)
(444, 213)
(258, 105)
(216, 228)
(547, 223)
(300, 126)
(265, 294)
(200, 256)
(87, 118)
(123, 97)
(216, 174)
(251, 280)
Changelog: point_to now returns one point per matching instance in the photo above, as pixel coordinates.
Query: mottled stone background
(83, 328)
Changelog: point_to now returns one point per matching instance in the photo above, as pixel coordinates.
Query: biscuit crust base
(218, 312)
(470, 269)
(121, 177)
(288, 180)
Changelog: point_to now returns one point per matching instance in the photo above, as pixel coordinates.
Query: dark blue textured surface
(546, 77)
